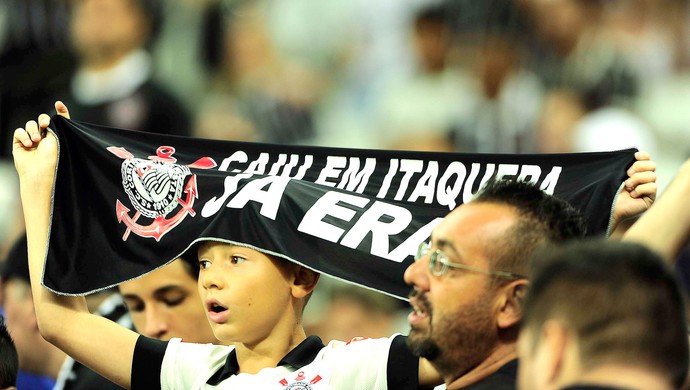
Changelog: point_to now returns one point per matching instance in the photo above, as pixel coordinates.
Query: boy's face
(246, 293)
(165, 304)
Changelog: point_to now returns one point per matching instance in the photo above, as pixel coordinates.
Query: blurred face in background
(165, 303)
(22, 325)
(106, 29)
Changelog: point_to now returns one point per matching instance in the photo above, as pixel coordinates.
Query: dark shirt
(591, 387)
(81, 377)
(505, 378)
(150, 108)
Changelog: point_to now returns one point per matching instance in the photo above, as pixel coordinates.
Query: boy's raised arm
(665, 227)
(63, 320)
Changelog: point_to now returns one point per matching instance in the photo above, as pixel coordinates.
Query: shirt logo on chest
(300, 382)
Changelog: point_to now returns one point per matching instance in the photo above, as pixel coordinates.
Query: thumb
(61, 109)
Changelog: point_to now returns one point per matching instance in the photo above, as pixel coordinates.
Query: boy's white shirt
(358, 364)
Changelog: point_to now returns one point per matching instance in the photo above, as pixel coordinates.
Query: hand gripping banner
(128, 202)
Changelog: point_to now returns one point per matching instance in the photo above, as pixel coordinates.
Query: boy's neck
(268, 352)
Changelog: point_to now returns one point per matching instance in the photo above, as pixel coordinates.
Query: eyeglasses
(439, 264)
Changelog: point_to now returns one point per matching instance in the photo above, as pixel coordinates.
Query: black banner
(127, 202)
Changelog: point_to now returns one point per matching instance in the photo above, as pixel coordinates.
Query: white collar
(91, 87)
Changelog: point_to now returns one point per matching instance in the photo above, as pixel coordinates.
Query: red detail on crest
(203, 163)
(160, 224)
(356, 339)
(120, 152)
(164, 154)
(300, 376)
(316, 379)
(284, 382)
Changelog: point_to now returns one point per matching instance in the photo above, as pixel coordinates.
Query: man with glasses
(468, 282)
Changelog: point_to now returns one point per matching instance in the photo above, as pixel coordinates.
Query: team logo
(157, 188)
(300, 382)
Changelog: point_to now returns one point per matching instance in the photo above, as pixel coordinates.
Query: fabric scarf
(128, 202)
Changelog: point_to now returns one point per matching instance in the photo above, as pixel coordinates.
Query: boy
(252, 300)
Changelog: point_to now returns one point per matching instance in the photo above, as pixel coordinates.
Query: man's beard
(458, 342)
(422, 345)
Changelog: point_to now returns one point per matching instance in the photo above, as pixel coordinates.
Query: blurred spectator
(350, 311)
(567, 124)
(221, 116)
(436, 96)
(112, 85)
(275, 94)
(651, 35)
(9, 363)
(177, 49)
(165, 303)
(33, 57)
(11, 217)
(633, 334)
(508, 101)
(572, 50)
(37, 356)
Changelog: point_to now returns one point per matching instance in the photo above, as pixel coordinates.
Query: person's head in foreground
(468, 283)
(603, 314)
(251, 297)
(165, 303)
(9, 362)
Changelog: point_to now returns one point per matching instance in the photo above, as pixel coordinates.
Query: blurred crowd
(490, 76)
(513, 76)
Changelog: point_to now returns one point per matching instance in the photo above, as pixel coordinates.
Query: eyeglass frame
(438, 256)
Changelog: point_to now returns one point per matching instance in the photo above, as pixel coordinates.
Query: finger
(645, 190)
(642, 155)
(641, 166)
(61, 109)
(43, 121)
(32, 130)
(639, 179)
(21, 136)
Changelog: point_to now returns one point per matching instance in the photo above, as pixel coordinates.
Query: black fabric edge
(403, 367)
(147, 362)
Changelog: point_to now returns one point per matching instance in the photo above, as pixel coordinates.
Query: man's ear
(304, 282)
(510, 299)
(555, 340)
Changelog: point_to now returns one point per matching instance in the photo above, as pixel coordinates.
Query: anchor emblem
(155, 187)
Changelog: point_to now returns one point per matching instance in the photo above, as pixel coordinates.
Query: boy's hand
(35, 150)
(639, 190)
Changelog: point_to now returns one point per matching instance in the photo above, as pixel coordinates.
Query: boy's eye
(237, 260)
(203, 264)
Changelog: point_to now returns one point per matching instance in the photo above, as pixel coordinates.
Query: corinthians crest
(300, 382)
(157, 187)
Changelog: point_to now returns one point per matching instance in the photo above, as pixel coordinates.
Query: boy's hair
(9, 362)
(543, 219)
(193, 268)
(620, 299)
